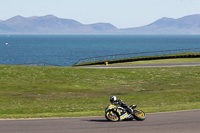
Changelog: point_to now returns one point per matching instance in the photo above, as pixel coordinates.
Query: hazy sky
(121, 13)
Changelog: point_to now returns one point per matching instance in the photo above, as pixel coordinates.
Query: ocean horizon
(66, 50)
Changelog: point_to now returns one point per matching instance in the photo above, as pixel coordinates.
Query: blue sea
(65, 50)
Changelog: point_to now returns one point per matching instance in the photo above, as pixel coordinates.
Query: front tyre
(112, 116)
(139, 115)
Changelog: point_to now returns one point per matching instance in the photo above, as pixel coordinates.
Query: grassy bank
(190, 55)
(28, 91)
(183, 60)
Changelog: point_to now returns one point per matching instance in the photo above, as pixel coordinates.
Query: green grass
(28, 91)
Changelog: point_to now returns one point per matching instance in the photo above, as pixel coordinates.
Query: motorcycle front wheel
(139, 115)
(112, 116)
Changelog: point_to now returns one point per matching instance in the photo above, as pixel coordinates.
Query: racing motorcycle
(117, 113)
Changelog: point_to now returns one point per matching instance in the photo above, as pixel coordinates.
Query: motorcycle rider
(114, 101)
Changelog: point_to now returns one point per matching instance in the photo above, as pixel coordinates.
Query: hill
(185, 25)
(51, 25)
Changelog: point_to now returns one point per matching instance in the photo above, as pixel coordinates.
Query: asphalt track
(170, 122)
(147, 65)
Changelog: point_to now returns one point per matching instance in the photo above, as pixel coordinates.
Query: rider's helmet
(113, 99)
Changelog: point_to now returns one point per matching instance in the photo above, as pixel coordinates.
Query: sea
(66, 50)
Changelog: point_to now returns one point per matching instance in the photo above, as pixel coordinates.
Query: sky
(120, 13)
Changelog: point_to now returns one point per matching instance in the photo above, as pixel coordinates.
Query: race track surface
(171, 122)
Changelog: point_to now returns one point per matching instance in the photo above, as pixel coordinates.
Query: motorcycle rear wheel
(139, 115)
(112, 116)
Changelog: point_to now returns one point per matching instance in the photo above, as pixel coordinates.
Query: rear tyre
(112, 116)
(139, 115)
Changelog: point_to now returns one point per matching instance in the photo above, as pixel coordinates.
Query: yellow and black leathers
(122, 104)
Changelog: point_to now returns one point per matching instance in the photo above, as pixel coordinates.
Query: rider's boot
(130, 110)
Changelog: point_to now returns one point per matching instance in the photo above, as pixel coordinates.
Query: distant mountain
(53, 25)
(185, 25)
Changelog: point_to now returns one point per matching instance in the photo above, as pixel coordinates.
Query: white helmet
(113, 99)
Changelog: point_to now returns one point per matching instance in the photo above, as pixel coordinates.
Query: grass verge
(28, 91)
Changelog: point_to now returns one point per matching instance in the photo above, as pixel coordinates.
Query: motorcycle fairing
(120, 110)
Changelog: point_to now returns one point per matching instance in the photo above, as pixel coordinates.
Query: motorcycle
(116, 113)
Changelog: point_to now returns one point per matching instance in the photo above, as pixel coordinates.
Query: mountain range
(53, 25)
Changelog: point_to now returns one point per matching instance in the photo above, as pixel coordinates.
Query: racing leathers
(122, 104)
